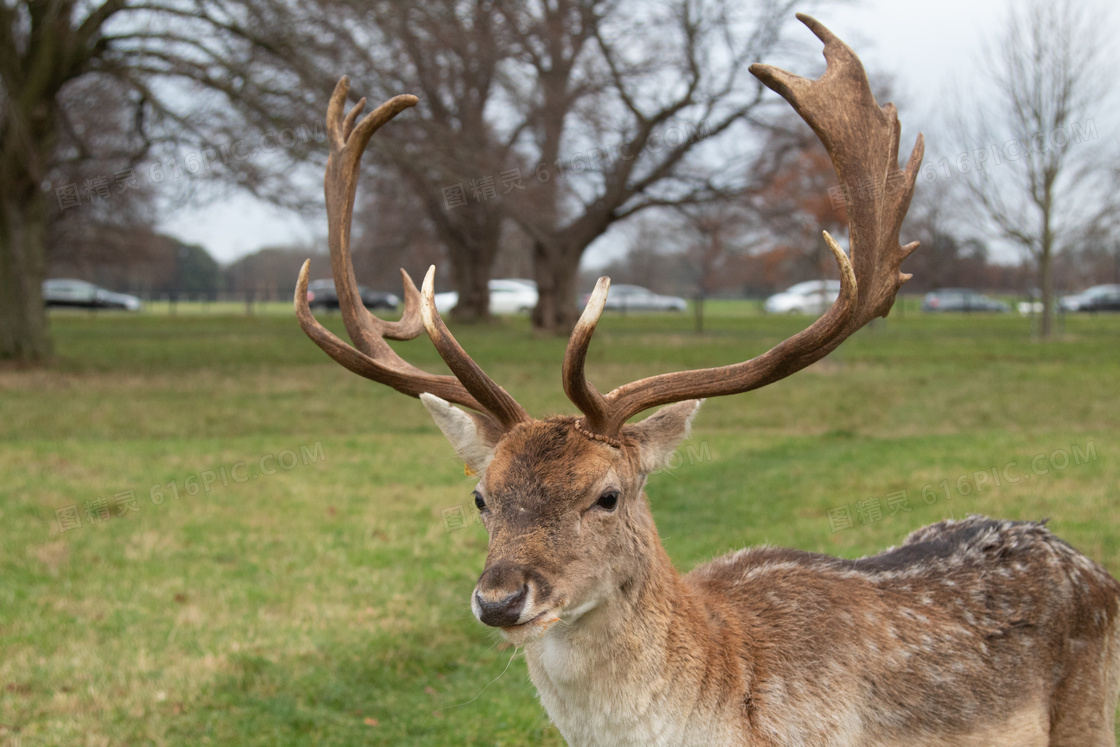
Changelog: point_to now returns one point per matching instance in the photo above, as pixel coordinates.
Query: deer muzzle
(506, 596)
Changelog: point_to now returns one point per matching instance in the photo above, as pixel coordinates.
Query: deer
(973, 633)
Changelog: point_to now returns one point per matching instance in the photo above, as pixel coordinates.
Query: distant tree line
(945, 261)
(666, 252)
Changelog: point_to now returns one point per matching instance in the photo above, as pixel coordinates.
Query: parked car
(1087, 298)
(961, 299)
(512, 296)
(637, 298)
(1108, 301)
(507, 296)
(63, 292)
(321, 294)
(809, 297)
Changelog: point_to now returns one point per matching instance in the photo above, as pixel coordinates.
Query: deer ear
(469, 434)
(661, 433)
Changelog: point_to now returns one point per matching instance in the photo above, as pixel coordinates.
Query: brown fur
(973, 632)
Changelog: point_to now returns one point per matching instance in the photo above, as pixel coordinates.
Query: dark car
(1097, 298)
(322, 295)
(1109, 301)
(961, 299)
(64, 292)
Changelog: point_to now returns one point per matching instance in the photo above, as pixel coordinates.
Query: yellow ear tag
(468, 471)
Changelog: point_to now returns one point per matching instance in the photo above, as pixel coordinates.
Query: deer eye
(608, 500)
(478, 500)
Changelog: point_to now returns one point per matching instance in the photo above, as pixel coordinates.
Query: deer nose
(503, 612)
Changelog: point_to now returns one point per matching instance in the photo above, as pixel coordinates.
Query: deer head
(568, 523)
(570, 529)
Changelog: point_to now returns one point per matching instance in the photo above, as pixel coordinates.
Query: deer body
(777, 647)
(976, 633)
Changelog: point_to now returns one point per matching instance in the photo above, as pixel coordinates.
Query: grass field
(270, 549)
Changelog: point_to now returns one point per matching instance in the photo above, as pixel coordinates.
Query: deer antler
(371, 356)
(862, 140)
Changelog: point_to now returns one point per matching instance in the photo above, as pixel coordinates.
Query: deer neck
(630, 671)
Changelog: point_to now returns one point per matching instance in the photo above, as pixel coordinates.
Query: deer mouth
(539, 623)
(527, 623)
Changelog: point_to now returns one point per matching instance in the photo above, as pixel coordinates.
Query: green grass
(325, 603)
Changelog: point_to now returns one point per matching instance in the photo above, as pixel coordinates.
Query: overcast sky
(932, 49)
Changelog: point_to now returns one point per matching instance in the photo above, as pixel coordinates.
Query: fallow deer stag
(974, 632)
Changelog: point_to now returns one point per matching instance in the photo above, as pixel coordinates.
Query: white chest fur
(597, 701)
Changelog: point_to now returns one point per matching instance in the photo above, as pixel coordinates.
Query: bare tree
(394, 232)
(793, 196)
(100, 214)
(446, 154)
(194, 74)
(628, 98)
(269, 273)
(656, 244)
(563, 116)
(1094, 262)
(1027, 166)
(953, 255)
(717, 232)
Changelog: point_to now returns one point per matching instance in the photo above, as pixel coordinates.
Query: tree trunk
(470, 271)
(471, 234)
(1046, 322)
(472, 244)
(1045, 260)
(24, 336)
(557, 275)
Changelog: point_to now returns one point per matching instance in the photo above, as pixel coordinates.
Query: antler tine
(579, 390)
(862, 140)
(497, 401)
(783, 359)
(388, 369)
(352, 117)
(371, 356)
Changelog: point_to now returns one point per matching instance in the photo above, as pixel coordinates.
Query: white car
(636, 298)
(810, 297)
(508, 296)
